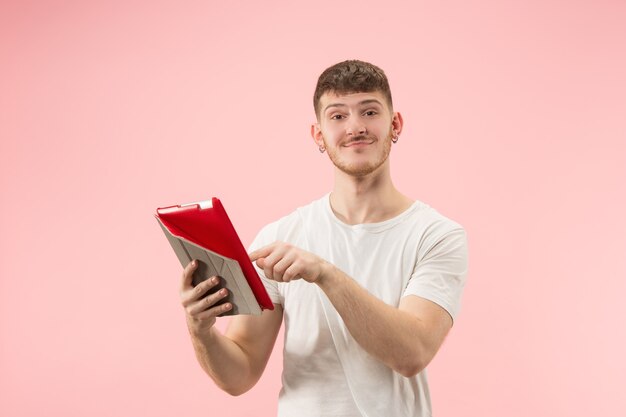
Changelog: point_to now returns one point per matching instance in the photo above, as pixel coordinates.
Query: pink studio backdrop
(515, 127)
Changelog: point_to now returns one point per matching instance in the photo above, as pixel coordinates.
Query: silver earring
(322, 149)
(395, 137)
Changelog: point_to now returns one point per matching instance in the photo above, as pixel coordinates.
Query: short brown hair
(352, 76)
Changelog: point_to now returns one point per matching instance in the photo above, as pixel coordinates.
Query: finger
(279, 252)
(280, 267)
(206, 303)
(188, 274)
(268, 264)
(195, 293)
(292, 273)
(261, 252)
(214, 311)
(267, 270)
(260, 263)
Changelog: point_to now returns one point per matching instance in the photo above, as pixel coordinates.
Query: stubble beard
(365, 168)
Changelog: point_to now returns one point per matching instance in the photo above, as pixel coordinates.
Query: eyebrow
(361, 103)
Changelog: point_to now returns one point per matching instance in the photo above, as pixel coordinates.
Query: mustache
(360, 138)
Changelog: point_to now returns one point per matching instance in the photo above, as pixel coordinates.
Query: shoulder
(289, 226)
(431, 227)
(431, 220)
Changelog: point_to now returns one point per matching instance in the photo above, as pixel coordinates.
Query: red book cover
(207, 225)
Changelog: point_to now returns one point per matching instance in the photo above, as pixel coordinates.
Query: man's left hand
(283, 262)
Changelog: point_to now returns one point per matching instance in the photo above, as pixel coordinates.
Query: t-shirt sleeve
(263, 238)
(440, 273)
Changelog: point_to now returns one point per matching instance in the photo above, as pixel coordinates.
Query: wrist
(204, 334)
(327, 274)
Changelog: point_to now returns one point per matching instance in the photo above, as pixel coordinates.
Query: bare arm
(404, 338)
(235, 360)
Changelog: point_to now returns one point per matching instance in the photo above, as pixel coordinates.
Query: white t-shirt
(325, 371)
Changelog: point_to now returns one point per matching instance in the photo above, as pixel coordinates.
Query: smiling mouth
(360, 141)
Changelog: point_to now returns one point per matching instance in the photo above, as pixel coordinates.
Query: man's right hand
(234, 360)
(201, 311)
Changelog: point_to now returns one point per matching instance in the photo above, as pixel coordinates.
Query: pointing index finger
(261, 253)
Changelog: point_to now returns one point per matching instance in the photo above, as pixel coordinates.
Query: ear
(397, 123)
(316, 134)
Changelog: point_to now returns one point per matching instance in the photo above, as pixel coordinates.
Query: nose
(356, 128)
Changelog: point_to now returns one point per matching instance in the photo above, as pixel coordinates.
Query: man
(367, 280)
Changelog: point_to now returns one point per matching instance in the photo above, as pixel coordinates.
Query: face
(356, 130)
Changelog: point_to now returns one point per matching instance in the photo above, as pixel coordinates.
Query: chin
(360, 170)
(359, 165)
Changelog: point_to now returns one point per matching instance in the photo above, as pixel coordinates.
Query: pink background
(514, 126)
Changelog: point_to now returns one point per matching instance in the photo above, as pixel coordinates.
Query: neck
(371, 198)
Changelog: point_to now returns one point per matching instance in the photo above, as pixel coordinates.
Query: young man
(367, 280)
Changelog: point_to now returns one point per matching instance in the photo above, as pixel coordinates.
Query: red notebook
(204, 232)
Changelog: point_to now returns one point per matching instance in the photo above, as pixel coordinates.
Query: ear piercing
(395, 137)
(322, 149)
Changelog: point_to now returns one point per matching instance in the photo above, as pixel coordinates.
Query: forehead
(351, 99)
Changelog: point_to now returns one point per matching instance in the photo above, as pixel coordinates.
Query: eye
(336, 117)
(371, 113)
